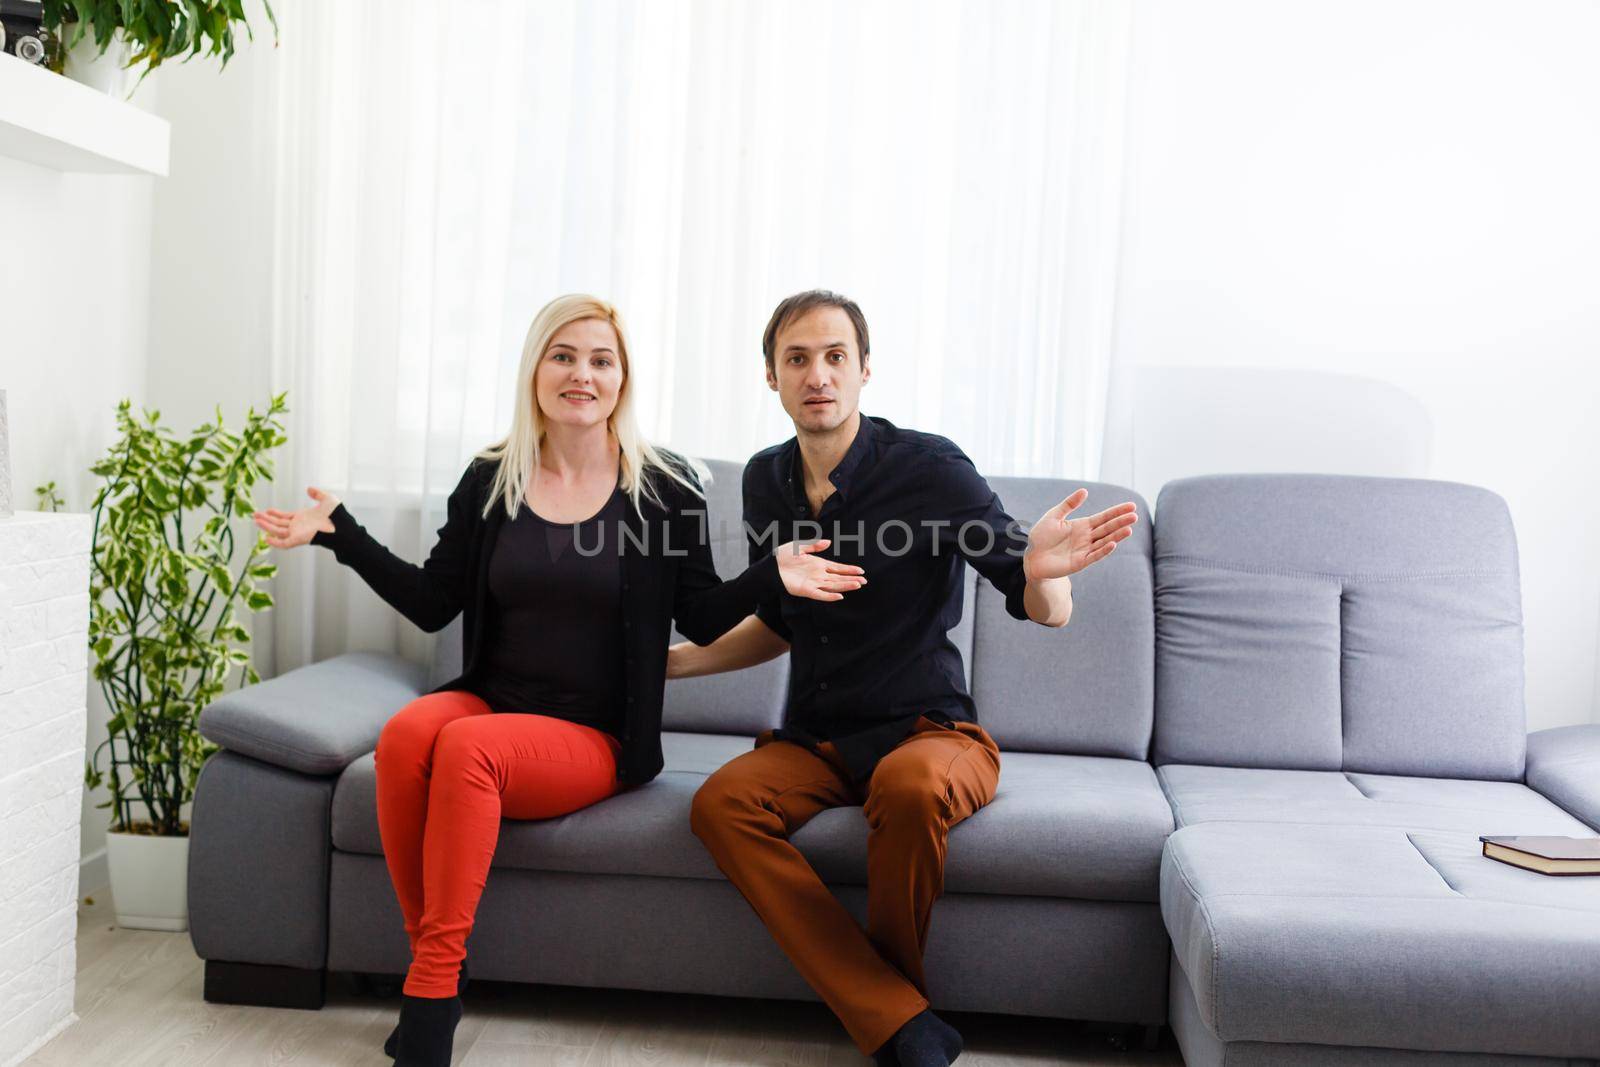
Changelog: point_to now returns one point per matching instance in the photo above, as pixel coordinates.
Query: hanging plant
(163, 596)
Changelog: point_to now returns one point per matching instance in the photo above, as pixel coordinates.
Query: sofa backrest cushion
(743, 702)
(1084, 688)
(1328, 622)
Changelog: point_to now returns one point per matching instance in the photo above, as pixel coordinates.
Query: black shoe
(427, 1031)
(924, 1041)
(393, 1041)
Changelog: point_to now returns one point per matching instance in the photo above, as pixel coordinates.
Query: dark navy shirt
(910, 509)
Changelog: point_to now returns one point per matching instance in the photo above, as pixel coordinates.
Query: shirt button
(822, 685)
(624, 587)
(823, 638)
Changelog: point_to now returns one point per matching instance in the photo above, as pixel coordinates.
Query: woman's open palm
(286, 529)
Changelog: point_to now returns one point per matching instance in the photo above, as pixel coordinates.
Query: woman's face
(579, 377)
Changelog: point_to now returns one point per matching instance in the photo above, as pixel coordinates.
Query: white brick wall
(44, 622)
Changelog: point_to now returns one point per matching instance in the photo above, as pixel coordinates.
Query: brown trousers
(745, 812)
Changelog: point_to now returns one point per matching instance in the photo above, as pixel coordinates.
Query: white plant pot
(102, 73)
(149, 880)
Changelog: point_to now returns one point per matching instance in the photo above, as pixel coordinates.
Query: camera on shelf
(22, 32)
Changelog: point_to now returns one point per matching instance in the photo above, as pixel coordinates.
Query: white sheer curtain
(447, 168)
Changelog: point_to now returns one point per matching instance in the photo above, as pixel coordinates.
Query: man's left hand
(1058, 545)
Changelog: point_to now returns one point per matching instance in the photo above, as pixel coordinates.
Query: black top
(908, 508)
(555, 625)
(667, 577)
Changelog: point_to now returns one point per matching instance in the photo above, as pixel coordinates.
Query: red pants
(448, 770)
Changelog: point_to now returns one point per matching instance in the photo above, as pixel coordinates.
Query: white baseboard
(93, 874)
(43, 1039)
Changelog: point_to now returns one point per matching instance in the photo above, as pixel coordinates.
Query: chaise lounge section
(1339, 715)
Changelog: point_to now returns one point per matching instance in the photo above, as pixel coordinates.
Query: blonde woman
(570, 548)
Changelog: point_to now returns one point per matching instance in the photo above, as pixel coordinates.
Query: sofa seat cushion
(1201, 794)
(1380, 936)
(1067, 826)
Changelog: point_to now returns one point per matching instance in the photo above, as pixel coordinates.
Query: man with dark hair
(800, 304)
(878, 710)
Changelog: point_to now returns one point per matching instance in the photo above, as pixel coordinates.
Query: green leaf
(219, 574)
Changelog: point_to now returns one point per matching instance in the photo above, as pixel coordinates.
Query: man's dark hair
(800, 303)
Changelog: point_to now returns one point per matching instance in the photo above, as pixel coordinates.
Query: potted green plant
(166, 584)
(101, 43)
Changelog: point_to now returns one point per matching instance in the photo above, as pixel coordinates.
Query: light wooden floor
(139, 1002)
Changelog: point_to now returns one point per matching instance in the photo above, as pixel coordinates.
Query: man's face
(817, 370)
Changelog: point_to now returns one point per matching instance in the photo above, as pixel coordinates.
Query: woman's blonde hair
(517, 454)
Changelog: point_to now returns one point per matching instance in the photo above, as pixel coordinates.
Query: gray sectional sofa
(1240, 795)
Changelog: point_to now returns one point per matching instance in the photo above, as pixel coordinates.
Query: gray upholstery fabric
(1092, 960)
(1074, 826)
(1202, 1049)
(1324, 622)
(1087, 827)
(745, 702)
(1254, 794)
(1349, 935)
(740, 702)
(1087, 687)
(258, 863)
(318, 718)
(1564, 765)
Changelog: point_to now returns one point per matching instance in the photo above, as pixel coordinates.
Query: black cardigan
(667, 576)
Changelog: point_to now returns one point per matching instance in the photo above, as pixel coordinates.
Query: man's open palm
(1058, 545)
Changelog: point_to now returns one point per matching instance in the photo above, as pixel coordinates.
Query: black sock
(392, 1042)
(924, 1041)
(427, 1031)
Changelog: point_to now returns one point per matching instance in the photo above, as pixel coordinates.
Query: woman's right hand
(809, 575)
(286, 529)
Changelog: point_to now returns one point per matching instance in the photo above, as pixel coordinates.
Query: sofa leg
(1151, 1039)
(265, 985)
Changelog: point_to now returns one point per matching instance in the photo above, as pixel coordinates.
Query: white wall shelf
(54, 122)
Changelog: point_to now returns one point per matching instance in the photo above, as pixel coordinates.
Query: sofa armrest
(1564, 765)
(317, 719)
